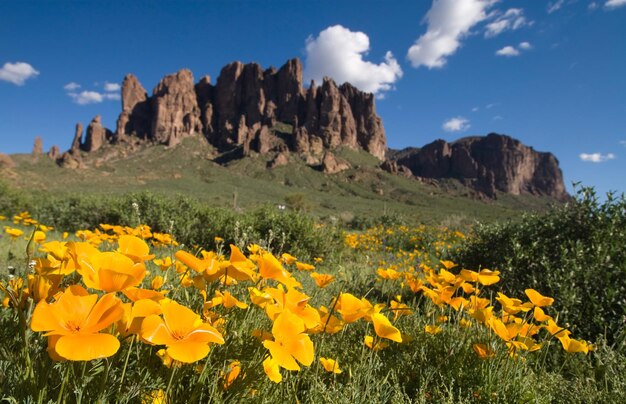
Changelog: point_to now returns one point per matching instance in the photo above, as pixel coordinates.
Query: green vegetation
(575, 252)
(360, 193)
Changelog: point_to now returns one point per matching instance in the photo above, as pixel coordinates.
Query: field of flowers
(127, 314)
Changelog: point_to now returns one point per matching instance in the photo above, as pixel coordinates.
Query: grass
(360, 192)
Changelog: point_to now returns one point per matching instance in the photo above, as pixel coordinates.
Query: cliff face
(252, 109)
(242, 109)
(487, 164)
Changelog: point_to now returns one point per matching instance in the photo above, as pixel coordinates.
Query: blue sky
(549, 73)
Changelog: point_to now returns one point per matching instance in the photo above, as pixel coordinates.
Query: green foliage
(192, 222)
(575, 253)
(10, 198)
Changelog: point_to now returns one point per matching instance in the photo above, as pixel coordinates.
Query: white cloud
(554, 6)
(511, 20)
(71, 86)
(338, 52)
(111, 86)
(92, 97)
(111, 96)
(86, 97)
(596, 157)
(17, 73)
(449, 21)
(497, 118)
(592, 6)
(622, 142)
(611, 4)
(525, 45)
(475, 109)
(457, 124)
(507, 51)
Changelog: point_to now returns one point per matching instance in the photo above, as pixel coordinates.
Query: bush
(575, 252)
(192, 222)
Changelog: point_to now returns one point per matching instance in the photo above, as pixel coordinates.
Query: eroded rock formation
(243, 109)
(488, 164)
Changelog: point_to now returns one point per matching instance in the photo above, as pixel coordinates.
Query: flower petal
(85, 347)
(188, 351)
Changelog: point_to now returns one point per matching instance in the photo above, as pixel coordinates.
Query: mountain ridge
(270, 112)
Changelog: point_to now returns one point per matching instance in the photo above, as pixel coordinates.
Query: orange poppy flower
(184, 333)
(73, 324)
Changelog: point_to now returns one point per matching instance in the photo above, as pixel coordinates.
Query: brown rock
(6, 161)
(265, 140)
(78, 135)
(96, 135)
(54, 152)
(204, 92)
(37, 147)
(333, 165)
(70, 160)
(392, 167)
(370, 134)
(244, 100)
(227, 97)
(135, 116)
(281, 159)
(289, 90)
(490, 164)
(175, 111)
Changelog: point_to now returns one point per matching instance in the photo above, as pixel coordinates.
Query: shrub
(575, 252)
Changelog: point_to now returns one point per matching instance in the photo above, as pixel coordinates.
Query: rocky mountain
(242, 110)
(487, 164)
(250, 109)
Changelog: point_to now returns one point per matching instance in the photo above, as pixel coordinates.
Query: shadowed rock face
(243, 107)
(488, 164)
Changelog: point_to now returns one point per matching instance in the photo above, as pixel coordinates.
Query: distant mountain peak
(485, 163)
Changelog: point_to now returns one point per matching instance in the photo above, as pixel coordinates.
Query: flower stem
(130, 349)
(169, 384)
(67, 374)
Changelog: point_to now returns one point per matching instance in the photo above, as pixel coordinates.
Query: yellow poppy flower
(290, 343)
(433, 329)
(225, 299)
(572, 345)
(295, 302)
(351, 308)
(288, 259)
(163, 264)
(540, 315)
(487, 277)
(322, 280)
(134, 313)
(14, 233)
(483, 351)
(368, 340)
(112, 272)
(328, 323)
(384, 329)
(330, 365)
(39, 237)
(304, 267)
(271, 268)
(231, 374)
(74, 321)
(538, 299)
(134, 248)
(184, 333)
(400, 309)
(272, 369)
